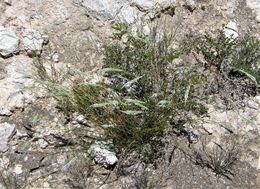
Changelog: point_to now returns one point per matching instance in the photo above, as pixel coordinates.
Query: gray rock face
(6, 131)
(33, 41)
(107, 9)
(8, 42)
(102, 155)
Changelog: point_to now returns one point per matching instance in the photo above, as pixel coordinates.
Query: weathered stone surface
(103, 155)
(42, 143)
(8, 42)
(5, 112)
(151, 4)
(12, 83)
(238, 121)
(231, 30)
(33, 40)
(18, 169)
(6, 131)
(128, 14)
(107, 9)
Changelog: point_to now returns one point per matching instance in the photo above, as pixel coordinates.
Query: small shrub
(232, 65)
(220, 159)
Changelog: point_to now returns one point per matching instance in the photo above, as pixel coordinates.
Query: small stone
(192, 133)
(5, 112)
(45, 38)
(252, 104)
(224, 8)
(42, 143)
(103, 155)
(18, 169)
(128, 15)
(208, 127)
(231, 30)
(6, 132)
(33, 41)
(8, 2)
(79, 119)
(8, 42)
(55, 57)
(46, 185)
(61, 160)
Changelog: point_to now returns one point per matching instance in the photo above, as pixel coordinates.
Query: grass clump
(140, 94)
(218, 158)
(232, 64)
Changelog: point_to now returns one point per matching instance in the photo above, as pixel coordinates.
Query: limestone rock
(231, 30)
(6, 131)
(5, 112)
(18, 169)
(8, 42)
(128, 14)
(151, 4)
(33, 40)
(42, 143)
(103, 155)
(10, 96)
(107, 9)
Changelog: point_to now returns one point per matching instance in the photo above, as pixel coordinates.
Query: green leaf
(163, 103)
(132, 112)
(105, 104)
(107, 70)
(248, 75)
(186, 96)
(136, 102)
(129, 83)
(107, 126)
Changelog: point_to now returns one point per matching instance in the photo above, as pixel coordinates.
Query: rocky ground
(37, 141)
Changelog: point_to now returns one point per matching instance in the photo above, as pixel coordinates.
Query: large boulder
(9, 42)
